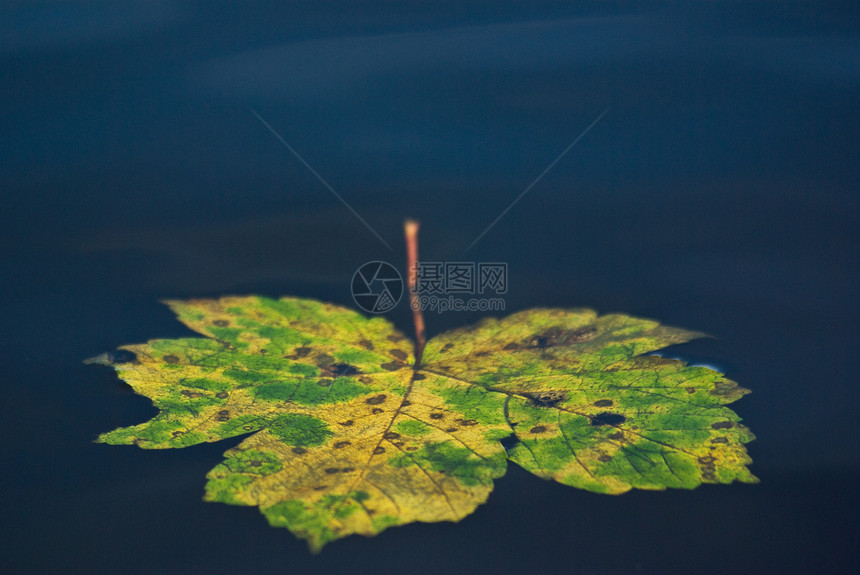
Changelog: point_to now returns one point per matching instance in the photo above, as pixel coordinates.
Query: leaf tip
(100, 359)
(109, 438)
(112, 358)
(171, 303)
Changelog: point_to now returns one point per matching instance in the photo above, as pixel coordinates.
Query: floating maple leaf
(347, 433)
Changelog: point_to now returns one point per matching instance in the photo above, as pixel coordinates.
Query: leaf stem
(410, 228)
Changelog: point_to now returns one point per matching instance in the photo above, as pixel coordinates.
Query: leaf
(344, 436)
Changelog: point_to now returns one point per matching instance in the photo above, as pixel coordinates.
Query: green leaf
(345, 436)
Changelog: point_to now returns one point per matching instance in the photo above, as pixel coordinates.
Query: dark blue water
(719, 193)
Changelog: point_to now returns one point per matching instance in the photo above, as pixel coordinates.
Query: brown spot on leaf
(719, 440)
(366, 344)
(580, 335)
(341, 444)
(379, 450)
(348, 469)
(538, 429)
(418, 376)
(603, 403)
(395, 337)
(393, 365)
(222, 394)
(346, 423)
(376, 399)
(482, 353)
(340, 370)
(691, 390)
(324, 382)
(177, 433)
(549, 398)
(451, 430)
(467, 422)
(411, 448)
(190, 394)
(446, 347)
(405, 403)
(616, 436)
(436, 416)
(299, 450)
(376, 411)
(324, 360)
(723, 425)
(221, 322)
(332, 470)
(391, 435)
(302, 351)
(365, 380)
(556, 336)
(608, 418)
(724, 388)
(708, 467)
(604, 458)
(170, 358)
(399, 354)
